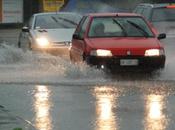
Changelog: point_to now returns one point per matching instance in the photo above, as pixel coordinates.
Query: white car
(49, 32)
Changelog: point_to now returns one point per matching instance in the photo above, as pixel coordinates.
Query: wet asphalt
(125, 102)
(141, 105)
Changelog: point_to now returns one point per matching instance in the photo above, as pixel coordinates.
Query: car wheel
(162, 66)
(86, 59)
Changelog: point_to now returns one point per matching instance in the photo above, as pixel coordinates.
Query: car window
(83, 27)
(80, 24)
(52, 21)
(163, 14)
(104, 27)
(119, 27)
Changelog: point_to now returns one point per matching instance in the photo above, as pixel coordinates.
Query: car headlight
(154, 52)
(101, 52)
(42, 42)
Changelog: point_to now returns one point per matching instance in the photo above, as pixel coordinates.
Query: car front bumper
(55, 50)
(143, 63)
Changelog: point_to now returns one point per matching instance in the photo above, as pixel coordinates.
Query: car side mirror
(161, 36)
(76, 36)
(25, 29)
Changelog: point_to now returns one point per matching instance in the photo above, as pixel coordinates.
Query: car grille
(61, 43)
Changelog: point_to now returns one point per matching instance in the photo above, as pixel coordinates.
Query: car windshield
(163, 14)
(52, 21)
(119, 27)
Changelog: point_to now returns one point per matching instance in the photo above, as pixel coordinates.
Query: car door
(78, 43)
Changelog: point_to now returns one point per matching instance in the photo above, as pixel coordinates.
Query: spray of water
(17, 66)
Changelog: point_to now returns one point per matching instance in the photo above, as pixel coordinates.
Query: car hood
(166, 27)
(119, 46)
(55, 35)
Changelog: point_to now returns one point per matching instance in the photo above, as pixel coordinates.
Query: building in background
(19, 11)
(35, 6)
(11, 11)
(51, 5)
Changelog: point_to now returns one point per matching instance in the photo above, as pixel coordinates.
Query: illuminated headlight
(154, 52)
(101, 52)
(42, 42)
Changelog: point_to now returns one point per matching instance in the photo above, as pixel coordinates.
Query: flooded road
(121, 106)
(46, 92)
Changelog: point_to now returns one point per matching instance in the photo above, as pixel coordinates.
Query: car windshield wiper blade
(123, 29)
(67, 20)
(55, 19)
(139, 28)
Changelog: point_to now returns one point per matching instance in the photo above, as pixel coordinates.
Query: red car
(117, 40)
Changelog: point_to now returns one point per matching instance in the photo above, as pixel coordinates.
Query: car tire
(86, 59)
(162, 66)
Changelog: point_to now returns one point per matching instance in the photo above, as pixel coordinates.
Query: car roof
(158, 5)
(111, 14)
(47, 13)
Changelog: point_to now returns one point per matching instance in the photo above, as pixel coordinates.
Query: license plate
(129, 62)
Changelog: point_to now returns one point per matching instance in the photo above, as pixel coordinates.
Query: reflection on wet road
(105, 104)
(155, 118)
(42, 104)
(121, 106)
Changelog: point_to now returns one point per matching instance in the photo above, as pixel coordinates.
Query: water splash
(17, 66)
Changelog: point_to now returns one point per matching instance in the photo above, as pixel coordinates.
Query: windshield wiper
(67, 20)
(55, 19)
(139, 28)
(123, 29)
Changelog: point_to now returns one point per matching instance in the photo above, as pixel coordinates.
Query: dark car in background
(117, 41)
(162, 16)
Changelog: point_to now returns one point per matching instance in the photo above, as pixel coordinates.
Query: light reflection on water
(42, 106)
(107, 108)
(105, 104)
(155, 118)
